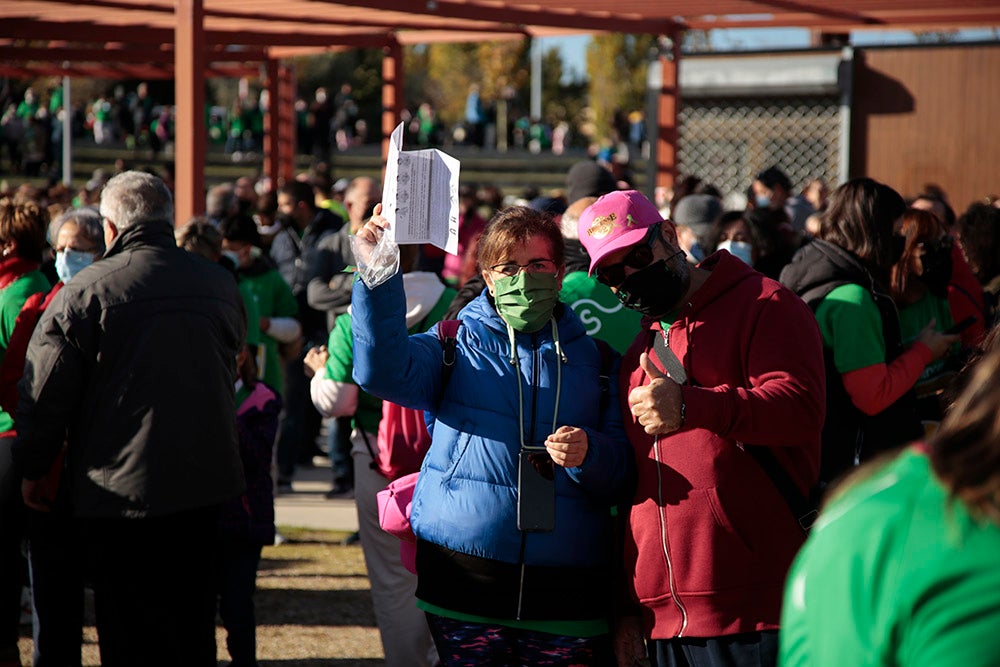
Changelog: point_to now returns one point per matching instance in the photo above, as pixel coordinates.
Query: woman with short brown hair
(512, 510)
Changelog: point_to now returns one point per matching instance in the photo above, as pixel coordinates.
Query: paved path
(306, 507)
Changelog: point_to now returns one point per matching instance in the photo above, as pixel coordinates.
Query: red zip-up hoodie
(710, 538)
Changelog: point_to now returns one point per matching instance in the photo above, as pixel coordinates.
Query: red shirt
(965, 296)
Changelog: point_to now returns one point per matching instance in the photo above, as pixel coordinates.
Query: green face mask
(526, 300)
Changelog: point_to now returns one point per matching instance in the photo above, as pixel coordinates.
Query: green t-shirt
(913, 319)
(851, 326)
(340, 368)
(253, 314)
(897, 573)
(274, 298)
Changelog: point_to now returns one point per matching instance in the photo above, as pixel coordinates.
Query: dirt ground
(313, 607)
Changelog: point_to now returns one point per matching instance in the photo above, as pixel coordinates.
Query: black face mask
(937, 269)
(655, 290)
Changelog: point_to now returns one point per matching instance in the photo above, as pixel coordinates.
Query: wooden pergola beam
(113, 71)
(131, 55)
(26, 29)
(910, 20)
(540, 14)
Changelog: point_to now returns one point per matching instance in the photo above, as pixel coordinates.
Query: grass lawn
(313, 607)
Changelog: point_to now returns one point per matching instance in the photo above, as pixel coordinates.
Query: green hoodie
(273, 298)
(895, 573)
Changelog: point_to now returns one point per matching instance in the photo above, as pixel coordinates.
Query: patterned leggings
(462, 644)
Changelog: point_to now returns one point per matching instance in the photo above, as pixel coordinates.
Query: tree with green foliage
(362, 68)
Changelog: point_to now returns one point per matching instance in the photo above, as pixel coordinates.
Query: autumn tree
(451, 70)
(617, 66)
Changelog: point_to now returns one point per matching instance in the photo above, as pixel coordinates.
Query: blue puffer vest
(465, 505)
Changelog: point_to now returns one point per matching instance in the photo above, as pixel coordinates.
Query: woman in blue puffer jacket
(513, 508)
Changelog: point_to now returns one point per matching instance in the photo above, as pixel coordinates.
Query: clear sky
(574, 49)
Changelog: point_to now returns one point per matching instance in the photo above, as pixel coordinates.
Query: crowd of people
(618, 418)
(32, 127)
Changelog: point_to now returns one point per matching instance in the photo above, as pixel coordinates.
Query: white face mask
(739, 249)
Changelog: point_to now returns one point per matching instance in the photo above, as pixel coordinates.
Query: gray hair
(88, 223)
(220, 201)
(137, 198)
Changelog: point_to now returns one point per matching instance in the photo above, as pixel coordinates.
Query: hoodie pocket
(708, 553)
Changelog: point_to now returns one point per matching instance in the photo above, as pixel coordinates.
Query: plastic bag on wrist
(376, 263)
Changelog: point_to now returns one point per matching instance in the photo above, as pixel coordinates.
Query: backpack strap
(608, 355)
(805, 508)
(671, 364)
(447, 333)
(373, 464)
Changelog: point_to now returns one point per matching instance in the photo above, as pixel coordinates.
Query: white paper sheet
(420, 195)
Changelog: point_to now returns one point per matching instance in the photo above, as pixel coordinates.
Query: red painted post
(668, 116)
(189, 92)
(392, 90)
(286, 122)
(272, 123)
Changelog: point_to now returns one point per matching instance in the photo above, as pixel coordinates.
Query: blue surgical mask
(696, 253)
(233, 257)
(69, 262)
(739, 249)
(763, 201)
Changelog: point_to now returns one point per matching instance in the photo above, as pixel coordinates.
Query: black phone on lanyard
(536, 490)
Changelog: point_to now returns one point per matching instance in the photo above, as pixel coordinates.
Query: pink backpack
(402, 440)
(394, 504)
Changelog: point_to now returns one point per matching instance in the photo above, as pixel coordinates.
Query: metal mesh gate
(726, 141)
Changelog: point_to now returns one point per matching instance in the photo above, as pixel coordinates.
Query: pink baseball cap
(616, 220)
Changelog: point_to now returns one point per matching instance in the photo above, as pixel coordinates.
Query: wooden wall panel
(928, 115)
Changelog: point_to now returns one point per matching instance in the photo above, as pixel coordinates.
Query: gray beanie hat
(697, 212)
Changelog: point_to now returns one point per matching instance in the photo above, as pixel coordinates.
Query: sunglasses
(639, 257)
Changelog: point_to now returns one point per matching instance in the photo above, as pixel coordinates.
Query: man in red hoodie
(725, 404)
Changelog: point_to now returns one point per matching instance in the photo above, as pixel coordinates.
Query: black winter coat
(133, 365)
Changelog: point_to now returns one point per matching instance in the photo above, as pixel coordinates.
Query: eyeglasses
(534, 266)
(639, 257)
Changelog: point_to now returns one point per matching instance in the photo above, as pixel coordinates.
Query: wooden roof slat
(302, 25)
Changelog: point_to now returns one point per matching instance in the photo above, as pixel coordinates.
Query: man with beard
(725, 387)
